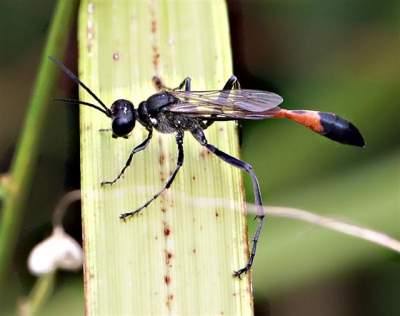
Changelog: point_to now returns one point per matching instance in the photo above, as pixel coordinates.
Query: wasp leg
(232, 83)
(257, 195)
(138, 148)
(179, 141)
(161, 86)
(198, 134)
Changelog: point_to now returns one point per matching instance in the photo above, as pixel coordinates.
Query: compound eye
(123, 118)
(122, 126)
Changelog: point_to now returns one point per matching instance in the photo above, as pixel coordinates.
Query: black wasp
(177, 111)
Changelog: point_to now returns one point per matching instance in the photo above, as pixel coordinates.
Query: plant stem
(26, 154)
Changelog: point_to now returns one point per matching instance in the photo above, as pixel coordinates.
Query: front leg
(138, 148)
(179, 142)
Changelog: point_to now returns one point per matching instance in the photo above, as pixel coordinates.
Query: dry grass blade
(334, 224)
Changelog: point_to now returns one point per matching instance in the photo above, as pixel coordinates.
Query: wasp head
(122, 112)
(123, 118)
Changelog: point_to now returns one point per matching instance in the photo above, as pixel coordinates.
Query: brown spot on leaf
(167, 279)
(204, 153)
(170, 298)
(162, 176)
(166, 231)
(168, 257)
(159, 140)
(156, 57)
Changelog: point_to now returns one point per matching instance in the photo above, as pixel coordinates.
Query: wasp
(181, 110)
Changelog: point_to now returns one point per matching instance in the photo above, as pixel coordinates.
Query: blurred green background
(337, 56)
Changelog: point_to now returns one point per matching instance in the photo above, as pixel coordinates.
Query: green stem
(39, 295)
(26, 154)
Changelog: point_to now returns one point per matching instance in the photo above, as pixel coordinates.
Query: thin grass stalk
(17, 184)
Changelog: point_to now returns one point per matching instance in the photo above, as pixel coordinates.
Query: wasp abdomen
(340, 129)
(326, 124)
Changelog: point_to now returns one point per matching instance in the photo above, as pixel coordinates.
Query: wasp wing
(234, 104)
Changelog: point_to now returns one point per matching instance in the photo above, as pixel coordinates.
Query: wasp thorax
(123, 118)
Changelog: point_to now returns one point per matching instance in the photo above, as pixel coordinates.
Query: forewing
(239, 103)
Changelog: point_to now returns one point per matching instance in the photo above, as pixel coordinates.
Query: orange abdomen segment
(326, 124)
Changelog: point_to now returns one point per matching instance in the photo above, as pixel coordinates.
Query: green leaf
(178, 255)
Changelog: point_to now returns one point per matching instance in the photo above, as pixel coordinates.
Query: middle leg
(232, 83)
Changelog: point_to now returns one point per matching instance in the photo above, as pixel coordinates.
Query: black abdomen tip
(341, 130)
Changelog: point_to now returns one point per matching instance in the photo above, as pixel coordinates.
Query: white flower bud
(58, 251)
